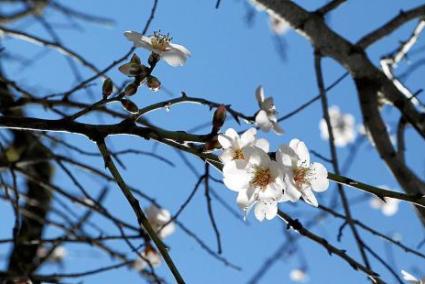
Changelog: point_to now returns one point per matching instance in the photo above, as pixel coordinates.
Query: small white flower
(410, 278)
(57, 255)
(266, 118)
(260, 181)
(389, 207)
(278, 25)
(298, 275)
(158, 217)
(149, 255)
(173, 54)
(234, 145)
(301, 176)
(343, 126)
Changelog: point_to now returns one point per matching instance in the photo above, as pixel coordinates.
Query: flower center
(160, 41)
(300, 176)
(262, 178)
(238, 155)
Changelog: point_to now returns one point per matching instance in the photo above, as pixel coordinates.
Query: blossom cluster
(262, 182)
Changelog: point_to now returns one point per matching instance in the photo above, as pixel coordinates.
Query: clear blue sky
(230, 58)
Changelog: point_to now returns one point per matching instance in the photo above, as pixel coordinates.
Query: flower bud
(131, 89)
(219, 118)
(153, 83)
(107, 88)
(130, 69)
(129, 106)
(135, 59)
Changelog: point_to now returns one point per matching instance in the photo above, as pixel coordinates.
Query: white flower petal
(302, 152)
(309, 197)
(246, 198)
(174, 57)
(286, 155)
(232, 134)
(138, 39)
(224, 141)
(277, 129)
(263, 144)
(248, 137)
(291, 193)
(259, 94)
(262, 121)
(409, 277)
(180, 48)
(319, 179)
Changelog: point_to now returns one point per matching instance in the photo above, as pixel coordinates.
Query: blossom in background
(234, 145)
(278, 25)
(298, 275)
(343, 127)
(149, 256)
(301, 176)
(410, 278)
(388, 206)
(57, 255)
(158, 217)
(266, 118)
(173, 54)
(259, 183)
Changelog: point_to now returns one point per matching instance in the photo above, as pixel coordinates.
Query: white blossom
(57, 255)
(278, 25)
(388, 206)
(410, 278)
(266, 118)
(343, 127)
(149, 255)
(259, 183)
(158, 217)
(233, 145)
(301, 176)
(173, 54)
(298, 275)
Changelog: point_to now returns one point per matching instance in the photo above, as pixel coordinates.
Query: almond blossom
(278, 25)
(266, 118)
(160, 221)
(259, 183)
(298, 275)
(161, 45)
(410, 278)
(301, 176)
(57, 255)
(388, 206)
(343, 127)
(149, 256)
(234, 145)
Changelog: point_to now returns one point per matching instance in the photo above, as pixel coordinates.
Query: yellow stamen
(238, 155)
(262, 178)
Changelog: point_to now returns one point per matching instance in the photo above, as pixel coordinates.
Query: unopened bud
(153, 83)
(219, 117)
(130, 89)
(135, 59)
(107, 88)
(129, 106)
(130, 69)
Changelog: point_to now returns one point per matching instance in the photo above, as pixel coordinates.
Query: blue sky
(230, 58)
